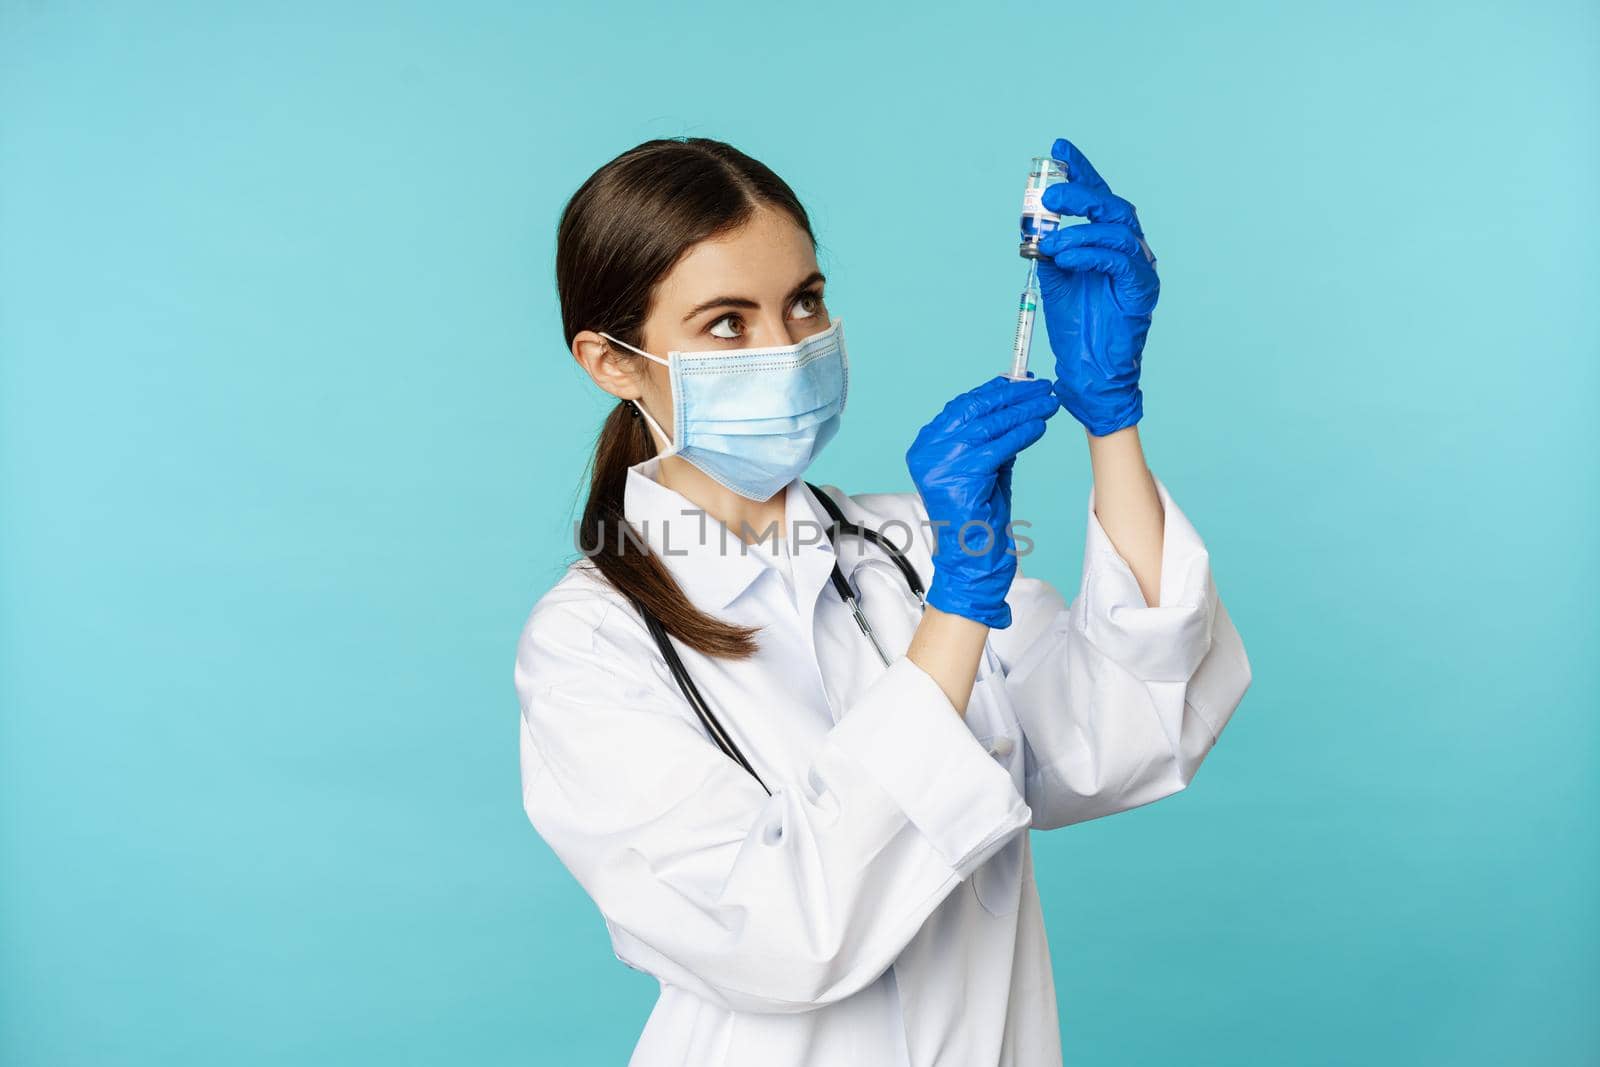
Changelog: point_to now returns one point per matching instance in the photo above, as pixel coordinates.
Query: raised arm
(1123, 693)
(1128, 506)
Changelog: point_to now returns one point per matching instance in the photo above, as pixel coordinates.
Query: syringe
(1027, 308)
(1037, 221)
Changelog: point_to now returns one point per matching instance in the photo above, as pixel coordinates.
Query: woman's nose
(770, 331)
(777, 331)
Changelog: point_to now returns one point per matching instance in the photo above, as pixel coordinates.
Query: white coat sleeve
(1119, 701)
(764, 904)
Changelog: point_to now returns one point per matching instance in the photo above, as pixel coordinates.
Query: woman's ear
(611, 372)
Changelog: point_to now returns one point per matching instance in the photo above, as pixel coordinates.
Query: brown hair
(620, 234)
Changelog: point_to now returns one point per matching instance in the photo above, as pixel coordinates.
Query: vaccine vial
(1043, 172)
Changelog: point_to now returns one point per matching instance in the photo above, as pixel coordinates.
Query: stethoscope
(840, 524)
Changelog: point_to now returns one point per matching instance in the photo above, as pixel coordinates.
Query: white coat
(879, 908)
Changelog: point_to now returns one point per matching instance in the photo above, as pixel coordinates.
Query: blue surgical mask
(754, 418)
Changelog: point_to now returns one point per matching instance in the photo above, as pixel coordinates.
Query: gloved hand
(1099, 287)
(961, 464)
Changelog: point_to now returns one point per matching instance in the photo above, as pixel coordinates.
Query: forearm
(949, 647)
(1128, 506)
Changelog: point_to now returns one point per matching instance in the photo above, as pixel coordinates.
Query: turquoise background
(289, 443)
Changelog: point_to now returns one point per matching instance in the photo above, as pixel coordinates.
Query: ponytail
(621, 555)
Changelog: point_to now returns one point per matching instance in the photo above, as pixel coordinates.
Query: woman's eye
(731, 327)
(726, 336)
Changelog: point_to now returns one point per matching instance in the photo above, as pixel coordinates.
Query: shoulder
(580, 629)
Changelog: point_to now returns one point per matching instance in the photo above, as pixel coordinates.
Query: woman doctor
(845, 877)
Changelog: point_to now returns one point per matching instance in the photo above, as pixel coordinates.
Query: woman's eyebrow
(745, 302)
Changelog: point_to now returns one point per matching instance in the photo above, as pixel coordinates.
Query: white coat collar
(709, 562)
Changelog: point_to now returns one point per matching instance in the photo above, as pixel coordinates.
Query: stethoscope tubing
(841, 585)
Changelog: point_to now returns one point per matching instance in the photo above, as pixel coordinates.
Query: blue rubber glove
(961, 464)
(1099, 287)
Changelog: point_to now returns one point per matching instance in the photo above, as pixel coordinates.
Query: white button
(1002, 747)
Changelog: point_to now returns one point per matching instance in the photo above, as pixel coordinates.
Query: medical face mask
(754, 418)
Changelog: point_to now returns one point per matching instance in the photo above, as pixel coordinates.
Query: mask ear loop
(669, 448)
(666, 448)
